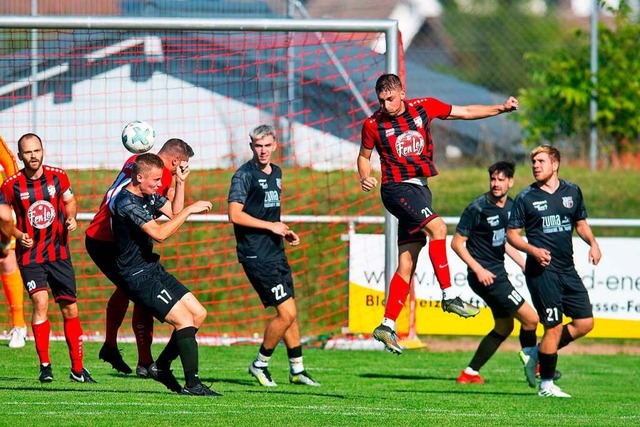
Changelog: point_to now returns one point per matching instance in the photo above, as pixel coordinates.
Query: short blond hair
(553, 152)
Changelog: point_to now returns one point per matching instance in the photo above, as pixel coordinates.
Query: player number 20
(164, 296)
(278, 291)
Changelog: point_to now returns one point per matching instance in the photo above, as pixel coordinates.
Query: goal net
(77, 88)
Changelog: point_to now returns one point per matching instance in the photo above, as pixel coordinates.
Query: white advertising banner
(613, 285)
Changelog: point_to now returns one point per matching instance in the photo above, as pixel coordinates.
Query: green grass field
(359, 388)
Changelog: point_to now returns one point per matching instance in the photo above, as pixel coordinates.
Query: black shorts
(58, 274)
(104, 257)
(154, 288)
(554, 294)
(271, 279)
(411, 204)
(501, 297)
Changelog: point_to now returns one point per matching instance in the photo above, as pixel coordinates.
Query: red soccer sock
(73, 335)
(142, 323)
(116, 310)
(438, 257)
(398, 291)
(41, 333)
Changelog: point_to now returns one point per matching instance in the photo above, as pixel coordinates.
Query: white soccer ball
(138, 137)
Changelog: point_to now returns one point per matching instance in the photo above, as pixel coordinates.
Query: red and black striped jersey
(404, 142)
(39, 207)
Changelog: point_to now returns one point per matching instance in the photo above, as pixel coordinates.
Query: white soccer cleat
(18, 337)
(529, 358)
(552, 391)
(262, 375)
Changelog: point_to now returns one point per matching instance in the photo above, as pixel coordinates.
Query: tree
(555, 108)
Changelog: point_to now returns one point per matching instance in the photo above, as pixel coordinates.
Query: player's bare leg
(297, 372)
(275, 331)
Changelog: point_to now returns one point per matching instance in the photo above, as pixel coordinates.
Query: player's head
(390, 94)
(30, 152)
(175, 152)
(263, 144)
(147, 173)
(501, 178)
(545, 162)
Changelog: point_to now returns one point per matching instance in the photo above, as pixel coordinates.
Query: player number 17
(163, 298)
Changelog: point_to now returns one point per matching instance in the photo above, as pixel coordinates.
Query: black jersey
(485, 226)
(260, 194)
(130, 213)
(548, 221)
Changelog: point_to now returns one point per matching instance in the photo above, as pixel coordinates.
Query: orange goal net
(77, 88)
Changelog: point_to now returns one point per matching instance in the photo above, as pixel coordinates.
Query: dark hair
(27, 136)
(506, 168)
(145, 162)
(177, 147)
(388, 82)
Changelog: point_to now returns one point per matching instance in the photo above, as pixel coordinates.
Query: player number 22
(163, 298)
(279, 292)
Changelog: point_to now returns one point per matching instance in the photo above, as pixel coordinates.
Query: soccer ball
(138, 137)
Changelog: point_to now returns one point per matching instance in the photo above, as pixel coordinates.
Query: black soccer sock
(565, 337)
(294, 352)
(548, 363)
(188, 348)
(169, 354)
(267, 352)
(486, 349)
(527, 338)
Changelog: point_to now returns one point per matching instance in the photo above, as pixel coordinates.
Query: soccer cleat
(529, 358)
(142, 371)
(46, 374)
(262, 375)
(166, 377)
(303, 378)
(82, 377)
(387, 336)
(459, 307)
(113, 356)
(552, 391)
(18, 337)
(465, 378)
(556, 375)
(199, 390)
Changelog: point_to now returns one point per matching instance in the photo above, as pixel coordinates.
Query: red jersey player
(100, 245)
(45, 210)
(400, 132)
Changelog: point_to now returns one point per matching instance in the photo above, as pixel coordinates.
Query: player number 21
(552, 314)
(163, 298)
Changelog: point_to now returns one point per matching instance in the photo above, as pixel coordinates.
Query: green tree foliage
(555, 108)
(490, 38)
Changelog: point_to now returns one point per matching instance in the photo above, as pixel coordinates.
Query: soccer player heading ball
(400, 132)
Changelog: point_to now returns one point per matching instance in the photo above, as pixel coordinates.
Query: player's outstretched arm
(159, 231)
(473, 112)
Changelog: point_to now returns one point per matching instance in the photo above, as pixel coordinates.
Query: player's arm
(367, 182)
(159, 231)
(70, 210)
(238, 216)
(584, 231)
(459, 246)
(177, 192)
(473, 112)
(515, 255)
(515, 239)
